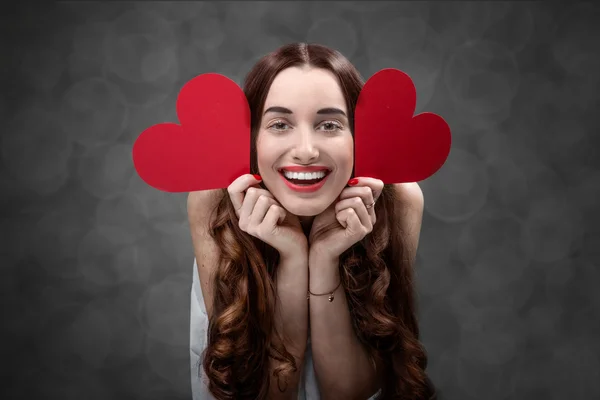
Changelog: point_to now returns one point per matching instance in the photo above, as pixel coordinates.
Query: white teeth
(304, 175)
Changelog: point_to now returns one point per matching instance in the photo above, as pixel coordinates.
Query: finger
(275, 216)
(251, 196)
(247, 206)
(363, 192)
(366, 195)
(342, 217)
(357, 204)
(263, 203)
(354, 224)
(237, 188)
(350, 221)
(376, 186)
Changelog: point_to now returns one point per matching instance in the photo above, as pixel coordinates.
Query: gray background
(97, 266)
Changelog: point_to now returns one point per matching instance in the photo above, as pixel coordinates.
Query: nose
(304, 150)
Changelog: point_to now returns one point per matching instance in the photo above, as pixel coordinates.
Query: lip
(304, 189)
(312, 168)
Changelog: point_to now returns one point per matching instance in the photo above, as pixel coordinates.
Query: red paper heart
(391, 144)
(211, 147)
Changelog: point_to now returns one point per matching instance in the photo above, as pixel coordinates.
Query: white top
(198, 337)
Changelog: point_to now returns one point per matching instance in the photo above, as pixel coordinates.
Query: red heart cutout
(211, 147)
(391, 144)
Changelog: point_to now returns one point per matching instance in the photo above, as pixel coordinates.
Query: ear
(211, 146)
(390, 143)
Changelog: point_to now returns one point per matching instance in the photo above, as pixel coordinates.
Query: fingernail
(352, 181)
(257, 177)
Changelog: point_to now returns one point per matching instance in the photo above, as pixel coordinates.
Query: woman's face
(304, 144)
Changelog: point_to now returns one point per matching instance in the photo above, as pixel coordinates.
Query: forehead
(301, 88)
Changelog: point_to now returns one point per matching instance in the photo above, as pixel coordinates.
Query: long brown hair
(377, 274)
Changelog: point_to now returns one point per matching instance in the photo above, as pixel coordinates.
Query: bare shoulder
(409, 197)
(200, 204)
(200, 207)
(409, 206)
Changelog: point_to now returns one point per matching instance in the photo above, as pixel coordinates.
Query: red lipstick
(304, 188)
(311, 168)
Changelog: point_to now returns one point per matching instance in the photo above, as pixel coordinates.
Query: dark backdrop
(97, 266)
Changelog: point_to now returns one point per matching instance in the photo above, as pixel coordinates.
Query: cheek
(344, 158)
(347, 155)
(267, 153)
(262, 153)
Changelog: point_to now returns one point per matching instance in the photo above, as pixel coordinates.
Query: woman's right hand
(261, 216)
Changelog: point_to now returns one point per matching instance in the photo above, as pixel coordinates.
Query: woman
(303, 282)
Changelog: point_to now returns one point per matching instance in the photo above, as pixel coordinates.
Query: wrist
(323, 262)
(324, 276)
(319, 256)
(298, 256)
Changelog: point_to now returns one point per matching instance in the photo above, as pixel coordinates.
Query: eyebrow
(283, 110)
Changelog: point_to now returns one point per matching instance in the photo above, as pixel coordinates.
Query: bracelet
(323, 294)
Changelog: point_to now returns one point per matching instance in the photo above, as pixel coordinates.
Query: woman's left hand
(347, 221)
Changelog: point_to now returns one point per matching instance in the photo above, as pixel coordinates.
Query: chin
(303, 209)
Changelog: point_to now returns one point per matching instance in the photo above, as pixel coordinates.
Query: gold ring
(370, 205)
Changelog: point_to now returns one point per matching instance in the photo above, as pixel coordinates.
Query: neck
(306, 223)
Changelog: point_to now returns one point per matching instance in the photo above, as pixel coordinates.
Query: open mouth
(304, 181)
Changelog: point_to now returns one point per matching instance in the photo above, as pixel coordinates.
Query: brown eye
(331, 126)
(279, 126)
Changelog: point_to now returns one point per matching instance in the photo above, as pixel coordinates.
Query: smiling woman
(305, 128)
(300, 229)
